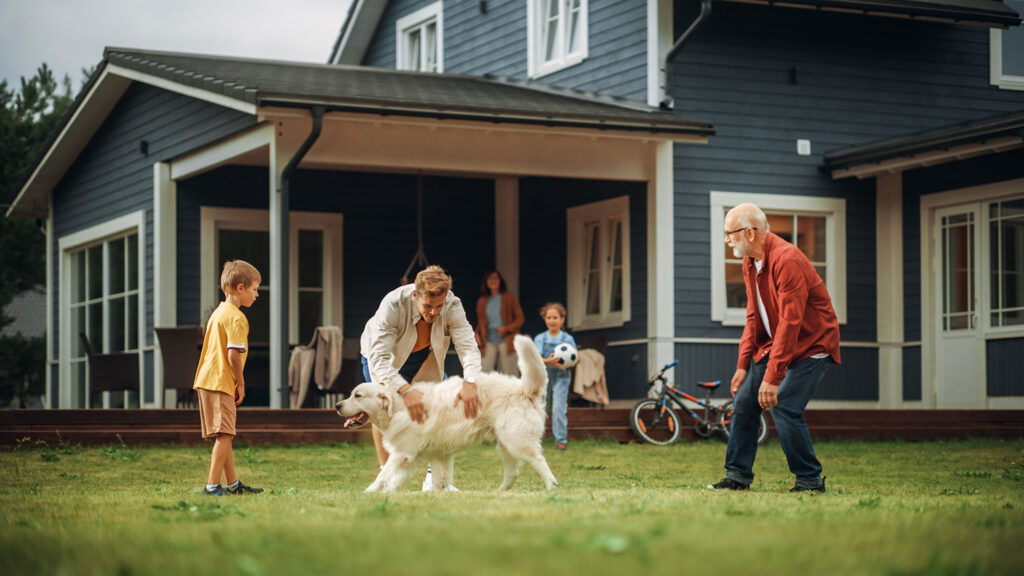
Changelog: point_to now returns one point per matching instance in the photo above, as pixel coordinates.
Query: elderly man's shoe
(728, 484)
(819, 488)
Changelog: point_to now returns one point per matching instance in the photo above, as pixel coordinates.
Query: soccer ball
(567, 355)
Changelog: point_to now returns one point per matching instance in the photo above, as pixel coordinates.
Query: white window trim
(418, 18)
(134, 222)
(331, 223)
(535, 67)
(834, 211)
(996, 76)
(576, 217)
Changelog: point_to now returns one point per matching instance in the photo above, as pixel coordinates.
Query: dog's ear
(385, 403)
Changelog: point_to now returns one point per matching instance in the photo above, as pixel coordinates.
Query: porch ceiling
(987, 13)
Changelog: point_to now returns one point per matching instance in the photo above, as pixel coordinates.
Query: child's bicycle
(656, 421)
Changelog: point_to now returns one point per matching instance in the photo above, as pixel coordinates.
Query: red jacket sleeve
(792, 291)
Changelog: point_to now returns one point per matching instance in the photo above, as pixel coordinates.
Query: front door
(958, 279)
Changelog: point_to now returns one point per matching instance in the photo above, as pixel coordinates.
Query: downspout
(281, 349)
(702, 18)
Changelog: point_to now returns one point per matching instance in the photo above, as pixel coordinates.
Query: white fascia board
(84, 122)
(185, 90)
(214, 155)
(357, 35)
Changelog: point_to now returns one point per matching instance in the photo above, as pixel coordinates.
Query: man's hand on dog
(414, 403)
(470, 401)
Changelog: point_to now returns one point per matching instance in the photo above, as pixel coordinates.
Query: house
(589, 150)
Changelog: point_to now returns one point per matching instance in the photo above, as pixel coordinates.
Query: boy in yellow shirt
(219, 384)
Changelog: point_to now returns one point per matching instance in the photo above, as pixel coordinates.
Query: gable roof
(249, 84)
(991, 13)
(955, 142)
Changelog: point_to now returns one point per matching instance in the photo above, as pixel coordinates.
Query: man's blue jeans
(794, 393)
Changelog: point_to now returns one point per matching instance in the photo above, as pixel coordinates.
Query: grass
(891, 508)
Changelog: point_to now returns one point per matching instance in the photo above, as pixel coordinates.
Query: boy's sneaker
(820, 488)
(561, 447)
(728, 484)
(216, 491)
(239, 488)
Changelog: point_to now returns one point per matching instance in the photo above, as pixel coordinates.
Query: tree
(26, 120)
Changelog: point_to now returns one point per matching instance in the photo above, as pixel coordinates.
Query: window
(598, 262)
(1006, 253)
(315, 260)
(815, 225)
(99, 293)
(419, 46)
(557, 35)
(1006, 57)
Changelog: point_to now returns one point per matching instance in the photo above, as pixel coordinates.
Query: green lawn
(891, 508)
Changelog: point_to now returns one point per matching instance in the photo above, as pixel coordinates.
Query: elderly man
(791, 336)
(407, 339)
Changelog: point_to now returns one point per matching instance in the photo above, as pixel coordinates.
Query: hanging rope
(420, 258)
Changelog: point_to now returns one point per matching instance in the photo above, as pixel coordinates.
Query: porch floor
(260, 425)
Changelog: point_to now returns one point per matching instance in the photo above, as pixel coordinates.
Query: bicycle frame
(677, 396)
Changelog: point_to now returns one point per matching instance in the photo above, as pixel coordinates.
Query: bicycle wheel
(725, 418)
(652, 425)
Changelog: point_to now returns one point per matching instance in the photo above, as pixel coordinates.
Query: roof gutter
(697, 24)
(279, 341)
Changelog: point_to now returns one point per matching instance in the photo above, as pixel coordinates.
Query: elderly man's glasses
(728, 234)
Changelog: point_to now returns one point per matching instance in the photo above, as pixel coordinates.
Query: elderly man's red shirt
(799, 311)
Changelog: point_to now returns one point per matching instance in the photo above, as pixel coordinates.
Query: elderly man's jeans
(794, 393)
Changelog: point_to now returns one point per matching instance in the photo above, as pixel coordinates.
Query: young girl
(553, 314)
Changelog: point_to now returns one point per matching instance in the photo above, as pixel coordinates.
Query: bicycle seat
(710, 385)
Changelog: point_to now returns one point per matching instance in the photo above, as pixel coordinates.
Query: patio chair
(180, 348)
(113, 372)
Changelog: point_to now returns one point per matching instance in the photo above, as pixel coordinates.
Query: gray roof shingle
(376, 90)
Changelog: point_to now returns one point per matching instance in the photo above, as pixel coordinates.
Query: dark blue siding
(496, 43)
(1003, 367)
(379, 229)
(111, 177)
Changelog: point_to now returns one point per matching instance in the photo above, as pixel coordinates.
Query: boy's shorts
(216, 413)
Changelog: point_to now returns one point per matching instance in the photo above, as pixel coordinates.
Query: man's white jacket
(390, 335)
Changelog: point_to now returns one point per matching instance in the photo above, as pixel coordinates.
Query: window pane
(616, 242)
(616, 299)
(133, 323)
(310, 314)
(413, 56)
(1013, 263)
(593, 232)
(115, 268)
(575, 40)
(1013, 44)
(430, 47)
(95, 275)
(77, 327)
(95, 326)
(593, 293)
(116, 322)
(78, 277)
(78, 384)
(133, 262)
(781, 225)
(311, 258)
(550, 32)
(810, 231)
(821, 272)
(958, 275)
(735, 291)
(994, 258)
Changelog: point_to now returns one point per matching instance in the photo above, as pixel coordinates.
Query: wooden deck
(260, 425)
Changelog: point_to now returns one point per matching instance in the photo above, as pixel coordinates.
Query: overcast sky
(71, 34)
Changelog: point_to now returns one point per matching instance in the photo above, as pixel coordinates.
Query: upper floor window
(419, 40)
(598, 261)
(557, 35)
(1006, 57)
(817, 226)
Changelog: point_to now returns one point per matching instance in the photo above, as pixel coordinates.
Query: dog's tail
(531, 367)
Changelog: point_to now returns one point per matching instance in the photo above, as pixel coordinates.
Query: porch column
(165, 292)
(889, 274)
(506, 231)
(279, 236)
(660, 258)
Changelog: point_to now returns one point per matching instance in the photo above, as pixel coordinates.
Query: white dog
(512, 413)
